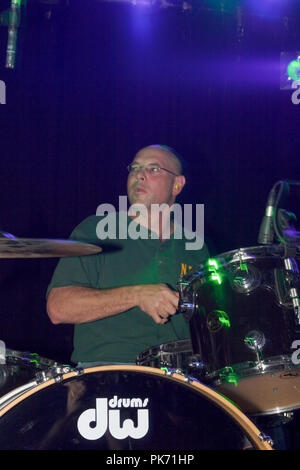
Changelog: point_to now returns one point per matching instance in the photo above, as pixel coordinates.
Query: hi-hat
(44, 248)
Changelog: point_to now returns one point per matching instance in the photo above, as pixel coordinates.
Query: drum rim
(24, 355)
(271, 364)
(269, 250)
(227, 258)
(253, 433)
(160, 348)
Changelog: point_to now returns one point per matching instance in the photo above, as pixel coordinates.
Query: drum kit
(240, 363)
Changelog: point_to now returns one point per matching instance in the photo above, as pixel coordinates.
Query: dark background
(94, 82)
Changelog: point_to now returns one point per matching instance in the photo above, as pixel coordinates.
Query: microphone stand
(276, 221)
(13, 25)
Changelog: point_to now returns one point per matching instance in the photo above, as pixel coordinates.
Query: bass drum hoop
(251, 430)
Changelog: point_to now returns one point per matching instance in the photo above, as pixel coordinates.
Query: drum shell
(220, 346)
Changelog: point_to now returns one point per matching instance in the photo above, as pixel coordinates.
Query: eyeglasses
(153, 170)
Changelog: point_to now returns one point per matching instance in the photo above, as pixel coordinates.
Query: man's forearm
(76, 304)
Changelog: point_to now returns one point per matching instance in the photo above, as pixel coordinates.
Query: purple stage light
(267, 8)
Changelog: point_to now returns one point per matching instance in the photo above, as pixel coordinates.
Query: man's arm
(75, 304)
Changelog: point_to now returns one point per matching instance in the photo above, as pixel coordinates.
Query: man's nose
(141, 173)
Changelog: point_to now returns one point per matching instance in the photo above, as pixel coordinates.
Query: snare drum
(124, 408)
(243, 327)
(174, 355)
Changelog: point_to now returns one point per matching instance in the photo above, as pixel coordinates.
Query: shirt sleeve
(77, 270)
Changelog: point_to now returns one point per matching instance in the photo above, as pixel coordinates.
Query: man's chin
(138, 199)
(139, 204)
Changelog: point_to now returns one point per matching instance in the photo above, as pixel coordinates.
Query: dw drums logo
(94, 422)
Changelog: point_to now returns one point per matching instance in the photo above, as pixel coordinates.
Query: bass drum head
(124, 408)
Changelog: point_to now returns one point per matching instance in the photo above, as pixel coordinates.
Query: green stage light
(293, 69)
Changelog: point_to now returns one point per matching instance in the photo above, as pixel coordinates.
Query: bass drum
(124, 408)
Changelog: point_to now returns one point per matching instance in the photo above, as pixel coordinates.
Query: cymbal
(44, 248)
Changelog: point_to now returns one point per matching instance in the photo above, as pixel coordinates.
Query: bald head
(163, 187)
(172, 155)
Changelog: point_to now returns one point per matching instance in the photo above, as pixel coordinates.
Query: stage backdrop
(93, 83)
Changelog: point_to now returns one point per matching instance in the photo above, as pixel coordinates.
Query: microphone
(13, 24)
(266, 231)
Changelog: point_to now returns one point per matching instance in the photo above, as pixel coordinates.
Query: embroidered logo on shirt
(184, 269)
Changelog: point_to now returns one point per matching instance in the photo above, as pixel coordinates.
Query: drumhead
(125, 408)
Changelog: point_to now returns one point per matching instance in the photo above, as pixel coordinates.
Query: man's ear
(178, 185)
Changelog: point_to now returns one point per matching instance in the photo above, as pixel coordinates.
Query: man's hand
(158, 301)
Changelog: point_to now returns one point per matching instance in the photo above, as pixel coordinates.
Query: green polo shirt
(125, 262)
